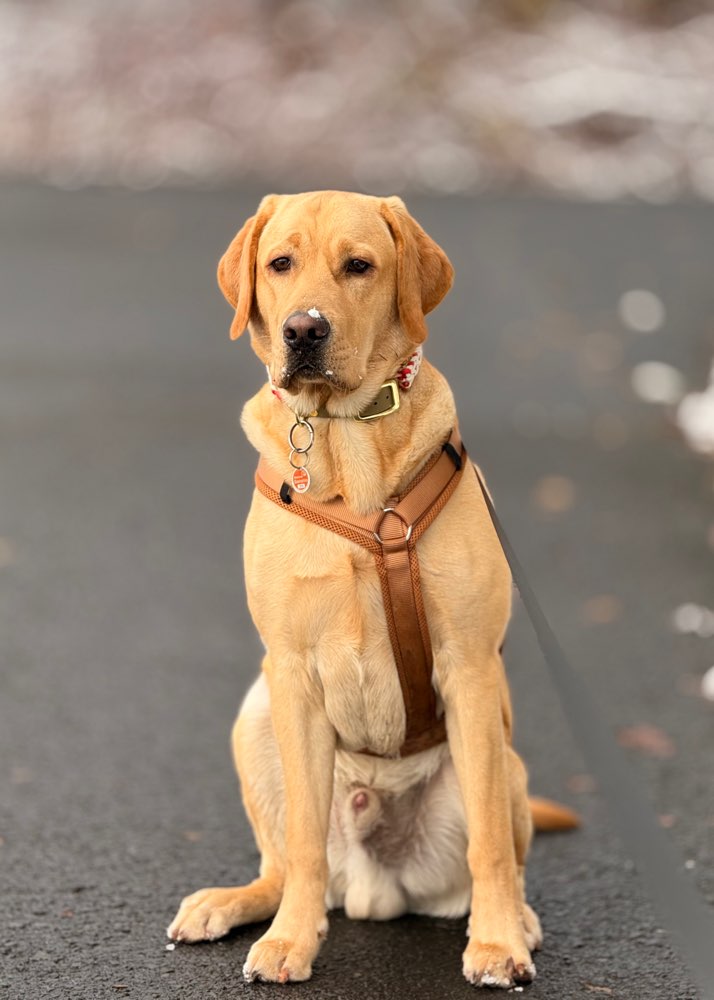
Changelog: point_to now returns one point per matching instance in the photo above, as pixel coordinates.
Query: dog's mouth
(303, 372)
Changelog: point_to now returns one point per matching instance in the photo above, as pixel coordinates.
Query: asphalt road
(125, 644)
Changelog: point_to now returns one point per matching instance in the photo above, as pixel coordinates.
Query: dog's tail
(549, 815)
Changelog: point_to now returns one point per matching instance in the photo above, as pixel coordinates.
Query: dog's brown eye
(281, 264)
(357, 266)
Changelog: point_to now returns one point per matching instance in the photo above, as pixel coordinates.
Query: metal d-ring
(301, 422)
(393, 510)
(292, 454)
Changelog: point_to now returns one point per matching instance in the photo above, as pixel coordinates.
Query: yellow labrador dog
(333, 288)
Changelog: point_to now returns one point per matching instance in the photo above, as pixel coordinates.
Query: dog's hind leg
(211, 913)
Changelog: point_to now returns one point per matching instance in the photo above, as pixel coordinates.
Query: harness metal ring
(392, 510)
(297, 451)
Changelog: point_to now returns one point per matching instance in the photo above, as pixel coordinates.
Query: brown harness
(391, 535)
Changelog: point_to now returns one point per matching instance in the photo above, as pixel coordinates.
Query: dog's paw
(275, 960)
(492, 965)
(286, 952)
(205, 915)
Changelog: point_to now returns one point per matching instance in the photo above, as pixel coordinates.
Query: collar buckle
(385, 402)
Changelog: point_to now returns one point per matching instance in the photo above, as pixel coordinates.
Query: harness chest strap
(391, 535)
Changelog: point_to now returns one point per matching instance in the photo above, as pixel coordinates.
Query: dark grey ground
(125, 645)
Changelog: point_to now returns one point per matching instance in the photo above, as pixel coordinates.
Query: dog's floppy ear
(424, 272)
(236, 270)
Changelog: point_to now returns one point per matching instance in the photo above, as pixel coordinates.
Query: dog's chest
(317, 603)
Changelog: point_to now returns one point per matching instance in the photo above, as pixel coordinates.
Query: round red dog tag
(301, 480)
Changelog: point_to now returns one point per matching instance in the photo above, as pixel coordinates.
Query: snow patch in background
(708, 684)
(693, 619)
(695, 417)
(641, 310)
(657, 382)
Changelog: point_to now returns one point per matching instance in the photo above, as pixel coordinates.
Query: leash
(687, 918)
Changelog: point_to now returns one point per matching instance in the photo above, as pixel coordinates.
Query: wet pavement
(125, 645)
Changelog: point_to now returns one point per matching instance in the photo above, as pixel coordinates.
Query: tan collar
(385, 402)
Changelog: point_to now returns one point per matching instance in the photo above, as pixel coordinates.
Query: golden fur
(442, 832)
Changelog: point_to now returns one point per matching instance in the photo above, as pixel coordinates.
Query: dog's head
(333, 288)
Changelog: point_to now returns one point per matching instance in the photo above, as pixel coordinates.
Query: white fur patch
(315, 313)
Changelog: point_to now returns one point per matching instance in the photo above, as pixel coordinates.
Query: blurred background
(597, 100)
(562, 153)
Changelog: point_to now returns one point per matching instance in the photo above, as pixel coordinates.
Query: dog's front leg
(306, 741)
(497, 953)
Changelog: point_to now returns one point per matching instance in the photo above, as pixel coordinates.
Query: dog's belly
(397, 834)
(398, 837)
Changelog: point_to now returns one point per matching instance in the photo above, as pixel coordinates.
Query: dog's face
(333, 288)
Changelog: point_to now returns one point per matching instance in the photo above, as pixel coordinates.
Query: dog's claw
(494, 967)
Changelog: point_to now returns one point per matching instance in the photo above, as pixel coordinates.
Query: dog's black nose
(303, 330)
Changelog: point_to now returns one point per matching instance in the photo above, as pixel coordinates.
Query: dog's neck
(383, 404)
(363, 462)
